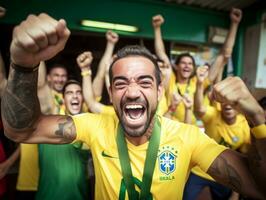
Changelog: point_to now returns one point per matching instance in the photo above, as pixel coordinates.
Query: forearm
(42, 74)
(188, 116)
(159, 45)
(230, 40)
(199, 107)
(3, 80)
(20, 105)
(217, 68)
(98, 81)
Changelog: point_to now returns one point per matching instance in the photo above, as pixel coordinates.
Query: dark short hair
(56, 65)
(136, 50)
(69, 82)
(182, 55)
(262, 102)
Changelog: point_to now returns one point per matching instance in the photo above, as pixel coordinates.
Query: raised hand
(157, 20)
(236, 15)
(233, 91)
(188, 101)
(38, 38)
(202, 73)
(112, 37)
(84, 60)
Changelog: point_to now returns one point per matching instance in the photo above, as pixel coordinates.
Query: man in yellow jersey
(182, 80)
(226, 127)
(137, 154)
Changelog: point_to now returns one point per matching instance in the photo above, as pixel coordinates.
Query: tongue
(134, 113)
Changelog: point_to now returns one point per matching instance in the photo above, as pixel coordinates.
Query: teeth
(134, 107)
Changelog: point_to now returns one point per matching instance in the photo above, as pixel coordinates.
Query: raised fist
(236, 15)
(202, 73)
(233, 91)
(188, 101)
(157, 20)
(84, 60)
(112, 37)
(36, 39)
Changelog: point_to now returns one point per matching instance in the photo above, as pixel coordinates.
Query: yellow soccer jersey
(108, 110)
(235, 136)
(162, 106)
(28, 175)
(182, 146)
(188, 88)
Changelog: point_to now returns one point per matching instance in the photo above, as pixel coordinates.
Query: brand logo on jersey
(167, 162)
(106, 155)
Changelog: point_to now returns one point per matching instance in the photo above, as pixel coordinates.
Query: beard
(135, 132)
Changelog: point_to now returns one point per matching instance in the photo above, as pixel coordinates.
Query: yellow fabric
(259, 131)
(108, 110)
(28, 175)
(59, 106)
(162, 106)
(185, 143)
(235, 136)
(190, 89)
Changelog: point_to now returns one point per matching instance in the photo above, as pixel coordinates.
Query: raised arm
(188, 102)
(157, 21)
(216, 71)
(98, 81)
(244, 174)
(84, 61)
(36, 39)
(199, 107)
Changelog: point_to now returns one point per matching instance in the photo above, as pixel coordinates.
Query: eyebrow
(139, 78)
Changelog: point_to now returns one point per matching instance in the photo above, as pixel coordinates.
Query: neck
(181, 79)
(229, 121)
(144, 138)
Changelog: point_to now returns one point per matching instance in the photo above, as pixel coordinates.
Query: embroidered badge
(167, 162)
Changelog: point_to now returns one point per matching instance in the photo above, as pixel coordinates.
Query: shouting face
(73, 98)
(134, 93)
(185, 67)
(57, 78)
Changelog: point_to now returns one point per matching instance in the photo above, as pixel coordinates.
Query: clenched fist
(157, 20)
(36, 39)
(84, 60)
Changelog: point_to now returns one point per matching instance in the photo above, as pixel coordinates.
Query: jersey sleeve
(86, 125)
(204, 150)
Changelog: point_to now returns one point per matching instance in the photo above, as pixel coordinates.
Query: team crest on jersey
(167, 162)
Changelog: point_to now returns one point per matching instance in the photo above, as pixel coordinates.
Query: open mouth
(134, 111)
(74, 104)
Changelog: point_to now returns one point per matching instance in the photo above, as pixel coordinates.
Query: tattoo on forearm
(222, 170)
(20, 106)
(66, 129)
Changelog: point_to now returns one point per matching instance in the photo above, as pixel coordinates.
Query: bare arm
(3, 79)
(98, 81)
(199, 107)
(84, 61)
(35, 39)
(5, 166)
(188, 102)
(217, 68)
(42, 82)
(244, 174)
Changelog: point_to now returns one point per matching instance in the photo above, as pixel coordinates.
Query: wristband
(86, 73)
(259, 131)
(24, 69)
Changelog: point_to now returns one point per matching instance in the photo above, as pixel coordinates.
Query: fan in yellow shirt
(138, 135)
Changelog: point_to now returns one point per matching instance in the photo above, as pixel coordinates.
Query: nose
(133, 91)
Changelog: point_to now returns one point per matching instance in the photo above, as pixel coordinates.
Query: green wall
(182, 24)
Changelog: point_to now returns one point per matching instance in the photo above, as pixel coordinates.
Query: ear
(110, 94)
